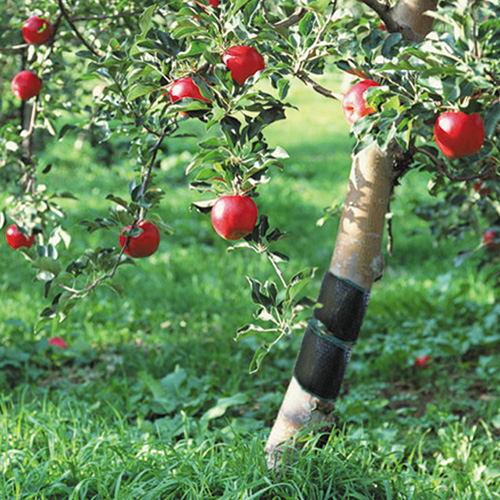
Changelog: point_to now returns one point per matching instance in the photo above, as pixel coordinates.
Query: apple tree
(427, 99)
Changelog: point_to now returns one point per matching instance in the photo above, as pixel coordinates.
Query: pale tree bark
(356, 263)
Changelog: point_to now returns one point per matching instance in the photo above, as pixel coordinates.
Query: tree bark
(356, 263)
(357, 258)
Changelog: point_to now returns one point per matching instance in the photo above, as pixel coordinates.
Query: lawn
(153, 398)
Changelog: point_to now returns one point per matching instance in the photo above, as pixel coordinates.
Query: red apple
(16, 239)
(458, 134)
(26, 85)
(354, 104)
(185, 87)
(422, 362)
(36, 30)
(58, 342)
(243, 62)
(489, 238)
(233, 217)
(144, 244)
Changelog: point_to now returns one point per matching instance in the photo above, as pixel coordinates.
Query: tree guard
(330, 336)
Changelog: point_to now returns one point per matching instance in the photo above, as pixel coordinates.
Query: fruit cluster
(26, 84)
(233, 216)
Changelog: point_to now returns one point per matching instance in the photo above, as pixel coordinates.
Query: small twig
(104, 17)
(494, 77)
(145, 181)
(14, 48)
(319, 88)
(294, 18)
(442, 168)
(66, 16)
(277, 269)
(477, 52)
(307, 54)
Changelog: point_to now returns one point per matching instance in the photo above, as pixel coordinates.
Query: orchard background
(149, 396)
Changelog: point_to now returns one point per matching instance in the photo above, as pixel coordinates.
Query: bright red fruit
(16, 239)
(233, 217)
(489, 239)
(26, 85)
(185, 87)
(144, 244)
(58, 342)
(36, 30)
(422, 362)
(353, 102)
(458, 134)
(243, 62)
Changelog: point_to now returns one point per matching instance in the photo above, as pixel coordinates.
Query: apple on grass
(422, 362)
(142, 245)
(58, 342)
(243, 62)
(459, 134)
(36, 30)
(354, 104)
(16, 239)
(489, 238)
(480, 188)
(234, 216)
(26, 85)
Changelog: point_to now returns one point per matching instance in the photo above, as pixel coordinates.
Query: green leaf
(223, 404)
(48, 265)
(145, 21)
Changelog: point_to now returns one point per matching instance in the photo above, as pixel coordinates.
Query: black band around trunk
(327, 344)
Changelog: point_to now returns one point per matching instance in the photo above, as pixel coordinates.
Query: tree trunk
(356, 263)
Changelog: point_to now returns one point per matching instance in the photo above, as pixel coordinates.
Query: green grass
(153, 400)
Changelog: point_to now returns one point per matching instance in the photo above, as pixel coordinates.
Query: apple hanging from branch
(36, 30)
(143, 245)
(26, 85)
(243, 62)
(459, 134)
(354, 104)
(16, 239)
(234, 216)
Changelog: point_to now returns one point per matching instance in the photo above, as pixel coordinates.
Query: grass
(153, 399)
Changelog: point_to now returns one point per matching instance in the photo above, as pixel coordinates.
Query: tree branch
(319, 88)
(294, 18)
(104, 17)
(66, 16)
(443, 169)
(383, 10)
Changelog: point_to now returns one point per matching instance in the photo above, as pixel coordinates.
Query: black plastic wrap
(321, 364)
(343, 307)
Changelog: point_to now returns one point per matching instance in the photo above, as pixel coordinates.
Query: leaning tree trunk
(356, 263)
